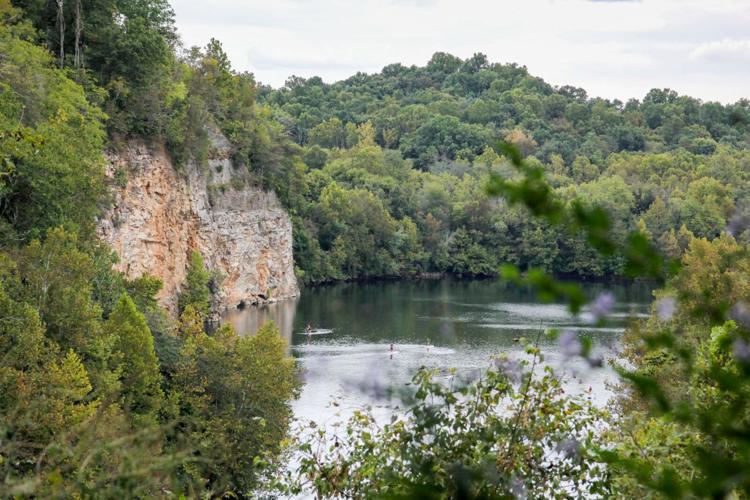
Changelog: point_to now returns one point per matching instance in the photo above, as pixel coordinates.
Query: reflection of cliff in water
(248, 321)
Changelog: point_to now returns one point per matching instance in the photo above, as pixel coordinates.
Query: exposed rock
(159, 217)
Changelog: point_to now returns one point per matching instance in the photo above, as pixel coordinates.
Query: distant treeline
(396, 164)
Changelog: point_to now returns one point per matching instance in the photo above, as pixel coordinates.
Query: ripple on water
(535, 311)
(369, 349)
(574, 328)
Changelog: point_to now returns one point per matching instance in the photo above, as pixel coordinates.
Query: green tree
(124, 46)
(196, 292)
(138, 367)
(55, 277)
(43, 392)
(705, 207)
(329, 134)
(234, 395)
(358, 230)
(582, 170)
(315, 157)
(466, 257)
(51, 141)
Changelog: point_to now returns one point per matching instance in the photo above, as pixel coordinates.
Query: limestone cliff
(159, 216)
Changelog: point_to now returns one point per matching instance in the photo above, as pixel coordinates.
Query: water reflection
(441, 324)
(248, 320)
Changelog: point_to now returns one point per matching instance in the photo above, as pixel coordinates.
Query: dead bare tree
(61, 26)
(78, 56)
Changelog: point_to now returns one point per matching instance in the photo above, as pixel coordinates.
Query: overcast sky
(612, 48)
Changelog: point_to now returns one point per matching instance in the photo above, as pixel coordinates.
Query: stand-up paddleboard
(316, 331)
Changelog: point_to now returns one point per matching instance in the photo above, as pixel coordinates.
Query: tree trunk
(61, 25)
(78, 57)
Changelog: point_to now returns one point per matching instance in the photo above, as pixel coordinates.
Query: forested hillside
(102, 393)
(450, 108)
(396, 174)
(419, 141)
(397, 161)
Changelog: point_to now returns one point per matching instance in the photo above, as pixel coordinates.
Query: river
(367, 337)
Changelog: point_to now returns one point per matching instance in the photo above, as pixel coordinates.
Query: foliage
(196, 292)
(495, 437)
(55, 278)
(63, 431)
(384, 175)
(431, 114)
(86, 405)
(51, 140)
(207, 98)
(690, 381)
(238, 418)
(122, 46)
(136, 362)
(92, 400)
(687, 384)
(679, 429)
(43, 390)
(670, 160)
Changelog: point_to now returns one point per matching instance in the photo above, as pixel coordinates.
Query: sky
(612, 48)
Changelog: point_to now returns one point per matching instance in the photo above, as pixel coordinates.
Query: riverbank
(438, 276)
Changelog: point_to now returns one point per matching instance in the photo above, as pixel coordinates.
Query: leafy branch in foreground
(689, 378)
(510, 433)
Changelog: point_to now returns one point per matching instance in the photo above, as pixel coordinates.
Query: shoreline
(438, 276)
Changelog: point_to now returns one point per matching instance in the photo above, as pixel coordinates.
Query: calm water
(444, 324)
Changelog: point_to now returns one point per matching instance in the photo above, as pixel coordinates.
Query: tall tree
(234, 396)
(196, 292)
(138, 367)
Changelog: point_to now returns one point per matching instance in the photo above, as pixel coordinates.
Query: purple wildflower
(665, 308)
(570, 346)
(741, 350)
(569, 448)
(739, 223)
(595, 360)
(740, 313)
(603, 305)
(509, 367)
(518, 488)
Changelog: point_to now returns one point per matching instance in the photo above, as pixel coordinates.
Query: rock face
(159, 217)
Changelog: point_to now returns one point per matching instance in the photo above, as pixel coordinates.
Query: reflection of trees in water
(247, 321)
(451, 311)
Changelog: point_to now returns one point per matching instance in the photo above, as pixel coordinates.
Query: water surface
(367, 337)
